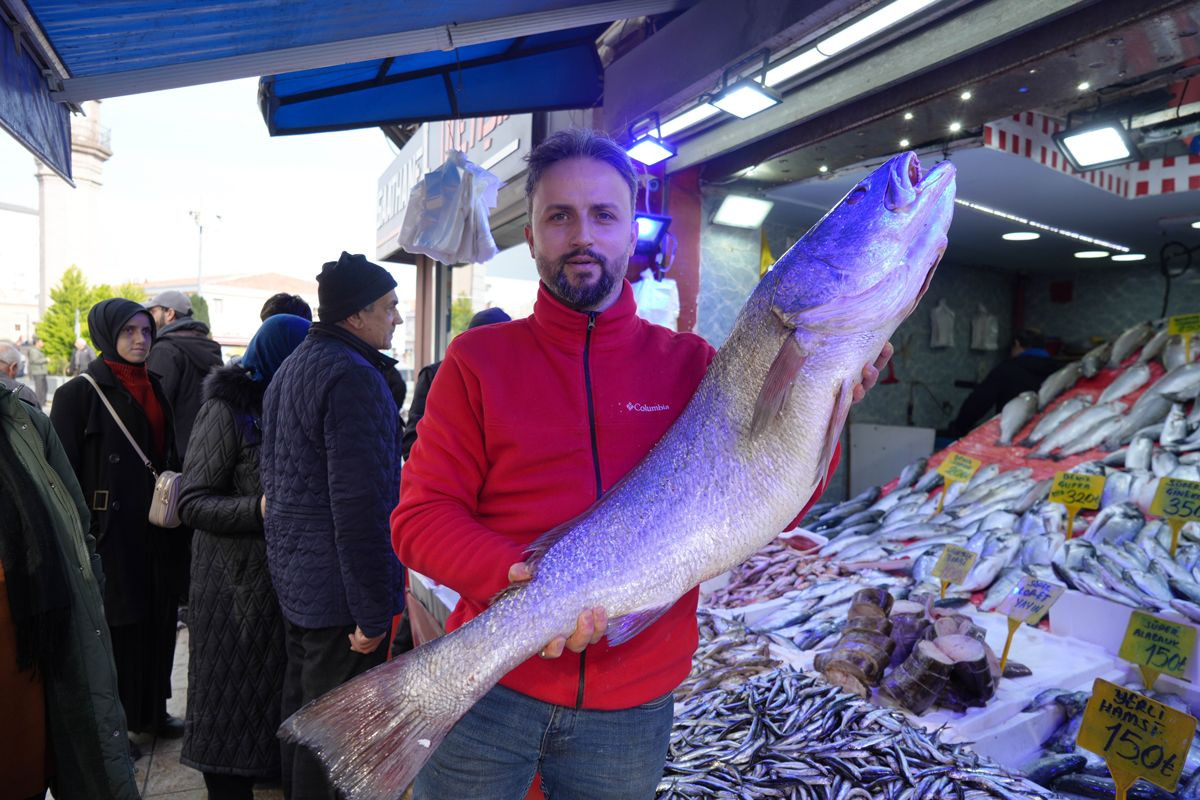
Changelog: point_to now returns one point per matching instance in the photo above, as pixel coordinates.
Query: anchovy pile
(775, 570)
(728, 653)
(788, 735)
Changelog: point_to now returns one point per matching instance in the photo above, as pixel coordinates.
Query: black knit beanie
(350, 284)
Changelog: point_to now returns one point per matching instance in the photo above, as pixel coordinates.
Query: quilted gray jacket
(237, 657)
(331, 473)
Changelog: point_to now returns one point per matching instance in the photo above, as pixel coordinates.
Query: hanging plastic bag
(941, 325)
(985, 330)
(447, 213)
(657, 300)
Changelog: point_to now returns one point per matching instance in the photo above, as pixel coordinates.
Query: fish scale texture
(237, 658)
(331, 473)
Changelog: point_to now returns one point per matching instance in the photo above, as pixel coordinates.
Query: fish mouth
(908, 183)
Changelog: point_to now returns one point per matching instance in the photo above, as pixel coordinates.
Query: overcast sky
(285, 204)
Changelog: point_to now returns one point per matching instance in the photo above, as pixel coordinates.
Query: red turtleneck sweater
(136, 381)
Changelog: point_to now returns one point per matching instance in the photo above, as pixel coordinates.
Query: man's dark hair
(284, 303)
(1030, 339)
(578, 143)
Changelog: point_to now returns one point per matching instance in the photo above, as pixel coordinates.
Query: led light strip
(1041, 226)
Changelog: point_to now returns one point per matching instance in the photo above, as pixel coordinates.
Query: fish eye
(856, 194)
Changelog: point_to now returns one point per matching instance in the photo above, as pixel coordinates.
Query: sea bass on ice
(754, 442)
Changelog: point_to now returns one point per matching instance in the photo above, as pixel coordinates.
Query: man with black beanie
(331, 476)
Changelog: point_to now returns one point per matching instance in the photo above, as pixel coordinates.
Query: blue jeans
(493, 752)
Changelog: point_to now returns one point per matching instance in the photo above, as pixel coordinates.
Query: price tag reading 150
(1137, 737)
(1157, 645)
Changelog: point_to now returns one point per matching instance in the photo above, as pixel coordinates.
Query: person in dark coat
(237, 655)
(331, 474)
(145, 565)
(1028, 365)
(425, 378)
(183, 355)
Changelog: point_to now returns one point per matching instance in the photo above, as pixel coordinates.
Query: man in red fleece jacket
(528, 423)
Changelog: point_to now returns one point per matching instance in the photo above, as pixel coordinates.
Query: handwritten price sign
(1183, 323)
(1157, 645)
(1028, 602)
(956, 468)
(1137, 737)
(1179, 501)
(954, 565)
(1076, 492)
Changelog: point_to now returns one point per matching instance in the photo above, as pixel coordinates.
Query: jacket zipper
(587, 385)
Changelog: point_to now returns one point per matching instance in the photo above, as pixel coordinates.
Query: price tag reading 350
(956, 468)
(1179, 501)
(1137, 736)
(1076, 492)
(1157, 645)
(954, 565)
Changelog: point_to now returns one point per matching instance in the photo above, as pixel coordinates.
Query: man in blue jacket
(331, 476)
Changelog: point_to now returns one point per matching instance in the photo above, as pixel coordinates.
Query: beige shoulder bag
(164, 505)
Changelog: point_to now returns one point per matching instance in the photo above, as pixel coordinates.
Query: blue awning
(542, 72)
(27, 110)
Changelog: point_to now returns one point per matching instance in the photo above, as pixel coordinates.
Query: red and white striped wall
(1028, 135)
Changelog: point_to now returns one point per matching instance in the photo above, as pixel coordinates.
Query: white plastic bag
(657, 300)
(941, 325)
(985, 330)
(447, 213)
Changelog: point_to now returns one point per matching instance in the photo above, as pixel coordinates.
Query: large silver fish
(1058, 382)
(1128, 381)
(1015, 414)
(1129, 341)
(753, 443)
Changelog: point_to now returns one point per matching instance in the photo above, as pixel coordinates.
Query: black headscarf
(105, 321)
(34, 566)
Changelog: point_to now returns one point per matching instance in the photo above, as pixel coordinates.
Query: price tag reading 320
(958, 468)
(1137, 736)
(1080, 491)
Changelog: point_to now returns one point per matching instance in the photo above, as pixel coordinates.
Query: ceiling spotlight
(747, 96)
(1020, 236)
(904, 143)
(822, 168)
(1091, 254)
(1103, 144)
(955, 127)
(908, 115)
(1196, 224)
(1129, 257)
(965, 96)
(646, 147)
(651, 229)
(740, 211)
(1083, 87)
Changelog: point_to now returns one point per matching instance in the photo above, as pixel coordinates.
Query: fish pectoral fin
(833, 431)
(622, 629)
(778, 385)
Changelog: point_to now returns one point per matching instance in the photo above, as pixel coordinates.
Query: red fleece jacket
(504, 453)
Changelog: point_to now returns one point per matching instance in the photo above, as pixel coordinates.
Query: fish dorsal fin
(778, 385)
(622, 629)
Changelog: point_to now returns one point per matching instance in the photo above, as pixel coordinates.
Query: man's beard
(588, 296)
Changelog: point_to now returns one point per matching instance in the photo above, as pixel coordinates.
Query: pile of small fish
(789, 735)
(728, 653)
(1069, 769)
(775, 570)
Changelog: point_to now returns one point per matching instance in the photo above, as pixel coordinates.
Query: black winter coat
(182, 356)
(236, 636)
(118, 489)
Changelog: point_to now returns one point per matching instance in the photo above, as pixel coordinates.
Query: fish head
(872, 255)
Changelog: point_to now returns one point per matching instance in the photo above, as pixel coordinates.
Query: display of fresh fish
(1175, 353)
(910, 474)
(1129, 341)
(768, 414)
(1128, 381)
(1149, 409)
(1138, 455)
(1058, 382)
(1053, 418)
(1015, 414)
(1076, 427)
(1181, 384)
(1153, 348)
(1104, 427)
(1095, 359)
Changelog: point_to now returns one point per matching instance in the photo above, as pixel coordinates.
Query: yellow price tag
(1076, 492)
(1179, 501)
(1183, 323)
(1027, 602)
(1157, 645)
(954, 565)
(1137, 737)
(957, 467)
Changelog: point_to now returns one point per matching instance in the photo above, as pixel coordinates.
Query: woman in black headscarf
(236, 639)
(145, 566)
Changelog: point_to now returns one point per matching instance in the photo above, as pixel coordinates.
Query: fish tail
(374, 733)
